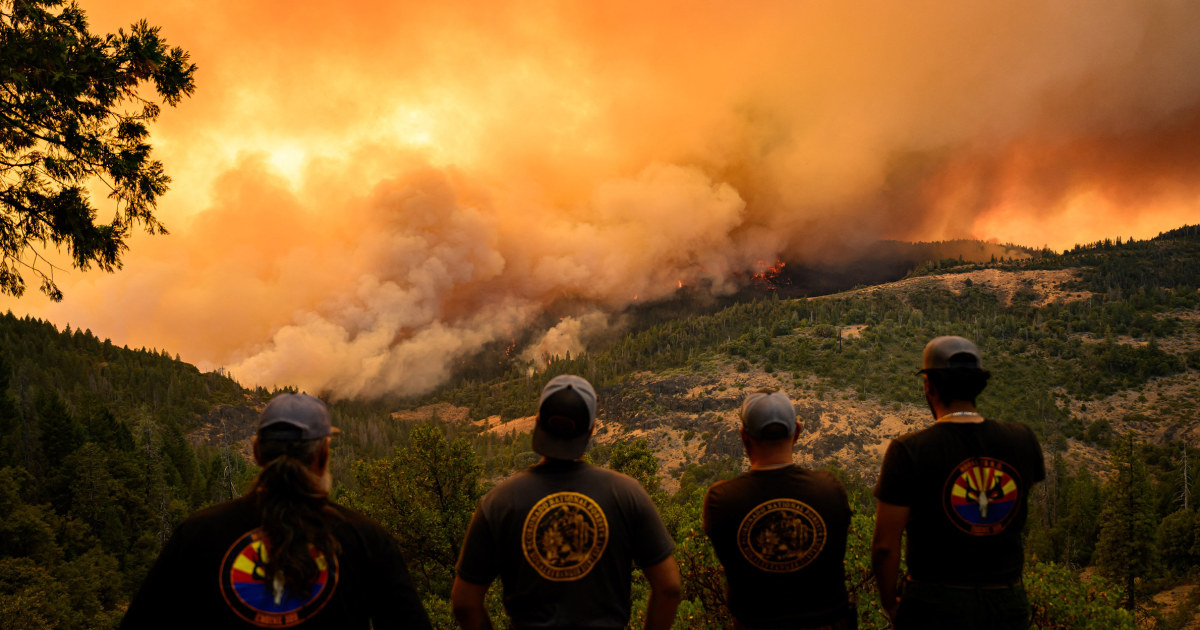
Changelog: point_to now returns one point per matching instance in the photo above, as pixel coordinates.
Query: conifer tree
(61, 433)
(1126, 548)
(65, 122)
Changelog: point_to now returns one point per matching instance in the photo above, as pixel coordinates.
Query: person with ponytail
(283, 555)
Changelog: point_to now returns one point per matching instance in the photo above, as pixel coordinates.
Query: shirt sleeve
(652, 543)
(895, 483)
(478, 563)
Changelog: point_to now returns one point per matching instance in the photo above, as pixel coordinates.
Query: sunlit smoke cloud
(365, 197)
(567, 338)
(432, 278)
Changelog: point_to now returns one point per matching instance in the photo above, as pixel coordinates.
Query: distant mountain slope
(90, 372)
(886, 261)
(1097, 340)
(96, 466)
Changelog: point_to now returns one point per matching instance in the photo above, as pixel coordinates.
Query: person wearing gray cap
(563, 535)
(959, 488)
(283, 555)
(779, 529)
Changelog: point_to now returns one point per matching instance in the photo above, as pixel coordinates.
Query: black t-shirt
(563, 536)
(207, 577)
(781, 536)
(967, 485)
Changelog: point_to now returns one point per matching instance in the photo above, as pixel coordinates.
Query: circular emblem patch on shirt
(981, 496)
(246, 591)
(564, 535)
(781, 535)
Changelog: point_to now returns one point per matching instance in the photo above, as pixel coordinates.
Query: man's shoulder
(353, 517)
(611, 476)
(510, 483)
(731, 493)
(917, 435)
(218, 524)
(563, 469)
(595, 478)
(224, 511)
(727, 486)
(1016, 433)
(779, 480)
(832, 487)
(352, 524)
(555, 471)
(1014, 427)
(994, 429)
(825, 476)
(903, 446)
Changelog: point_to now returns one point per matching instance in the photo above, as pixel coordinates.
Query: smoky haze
(365, 196)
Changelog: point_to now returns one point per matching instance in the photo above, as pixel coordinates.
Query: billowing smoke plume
(567, 338)
(365, 197)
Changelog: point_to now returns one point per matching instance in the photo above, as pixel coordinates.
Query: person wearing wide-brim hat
(283, 555)
(563, 535)
(960, 489)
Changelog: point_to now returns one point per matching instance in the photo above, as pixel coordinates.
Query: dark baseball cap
(566, 415)
(295, 417)
(765, 408)
(950, 352)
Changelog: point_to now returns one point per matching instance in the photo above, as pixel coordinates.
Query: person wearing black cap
(283, 556)
(959, 488)
(780, 530)
(563, 535)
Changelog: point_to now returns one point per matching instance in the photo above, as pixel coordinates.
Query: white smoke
(568, 338)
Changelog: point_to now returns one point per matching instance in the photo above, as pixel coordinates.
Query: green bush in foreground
(1061, 599)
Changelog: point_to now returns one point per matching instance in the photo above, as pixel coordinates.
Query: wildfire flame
(769, 274)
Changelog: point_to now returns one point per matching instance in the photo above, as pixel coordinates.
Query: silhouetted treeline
(95, 468)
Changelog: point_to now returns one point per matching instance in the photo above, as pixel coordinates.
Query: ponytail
(294, 511)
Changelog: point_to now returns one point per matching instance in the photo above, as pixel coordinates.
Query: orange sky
(365, 194)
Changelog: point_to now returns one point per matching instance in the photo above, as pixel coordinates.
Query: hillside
(1105, 334)
(1088, 347)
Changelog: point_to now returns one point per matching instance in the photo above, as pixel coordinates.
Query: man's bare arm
(666, 590)
(890, 521)
(466, 600)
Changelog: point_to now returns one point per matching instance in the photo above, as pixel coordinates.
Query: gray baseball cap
(566, 416)
(765, 408)
(295, 417)
(950, 352)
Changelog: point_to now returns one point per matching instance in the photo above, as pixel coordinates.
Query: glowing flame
(769, 274)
